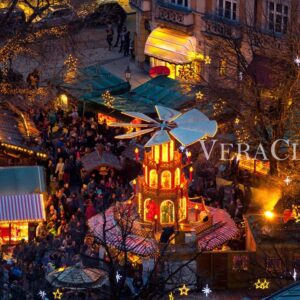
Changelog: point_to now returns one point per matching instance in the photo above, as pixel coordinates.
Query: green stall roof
(158, 91)
(22, 180)
(93, 81)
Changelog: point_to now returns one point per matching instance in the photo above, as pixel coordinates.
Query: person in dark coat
(127, 44)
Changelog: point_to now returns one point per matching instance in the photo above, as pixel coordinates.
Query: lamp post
(128, 74)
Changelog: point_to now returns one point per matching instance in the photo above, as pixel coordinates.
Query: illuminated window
(278, 14)
(240, 263)
(171, 150)
(16, 232)
(177, 177)
(166, 179)
(150, 210)
(222, 67)
(167, 212)
(182, 208)
(227, 9)
(146, 174)
(153, 179)
(165, 152)
(156, 153)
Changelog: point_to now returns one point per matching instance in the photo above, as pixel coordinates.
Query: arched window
(150, 210)
(177, 177)
(153, 179)
(167, 212)
(182, 209)
(166, 178)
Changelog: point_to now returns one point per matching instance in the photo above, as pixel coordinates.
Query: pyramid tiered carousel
(162, 192)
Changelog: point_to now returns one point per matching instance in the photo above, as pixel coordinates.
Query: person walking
(109, 35)
(122, 37)
(119, 31)
(127, 43)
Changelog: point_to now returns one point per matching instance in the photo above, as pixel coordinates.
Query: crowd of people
(76, 195)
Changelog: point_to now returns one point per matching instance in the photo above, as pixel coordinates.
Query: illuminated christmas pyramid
(162, 191)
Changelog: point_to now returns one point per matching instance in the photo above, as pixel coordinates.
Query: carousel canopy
(107, 230)
(170, 45)
(223, 230)
(77, 277)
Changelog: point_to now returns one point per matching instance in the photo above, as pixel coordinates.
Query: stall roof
(96, 159)
(291, 292)
(158, 91)
(27, 207)
(22, 180)
(91, 82)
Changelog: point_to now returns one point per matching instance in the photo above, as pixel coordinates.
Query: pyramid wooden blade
(132, 135)
(186, 137)
(158, 138)
(129, 125)
(139, 116)
(166, 114)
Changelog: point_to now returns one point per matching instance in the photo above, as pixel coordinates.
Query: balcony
(221, 27)
(142, 5)
(175, 14)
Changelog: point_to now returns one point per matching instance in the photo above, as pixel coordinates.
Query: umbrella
(77, 277)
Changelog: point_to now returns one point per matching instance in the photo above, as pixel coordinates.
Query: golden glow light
(259, 284)
(269, 214)
(184, 290)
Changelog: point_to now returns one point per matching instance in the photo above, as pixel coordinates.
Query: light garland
(71, 65)
(108, 99)
(199, 96)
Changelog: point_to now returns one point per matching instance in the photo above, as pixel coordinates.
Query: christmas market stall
(22, 192)
(18, 137)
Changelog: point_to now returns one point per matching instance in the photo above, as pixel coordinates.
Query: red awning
(223, 230)
(106, 229)
(29, 208)
(159, 70)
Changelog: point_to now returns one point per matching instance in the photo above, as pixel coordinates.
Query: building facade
(187, 33)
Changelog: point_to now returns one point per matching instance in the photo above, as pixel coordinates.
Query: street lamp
(127, 74)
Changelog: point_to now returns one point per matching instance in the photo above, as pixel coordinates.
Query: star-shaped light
(262, 284)
(206, 290)
(207, 60)
(287, 180)
(199, 96)
(171, 296)
(42, 294)
(184, 290)
(118, 277)
(295, 275)
(297, 61)
(57, 294)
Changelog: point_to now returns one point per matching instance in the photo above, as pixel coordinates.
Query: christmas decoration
(108, 99)
(184, 290)
(262, 284)
(206, 290)
(171, 296)
(42, 294)
(118, 277)
(57, 294)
